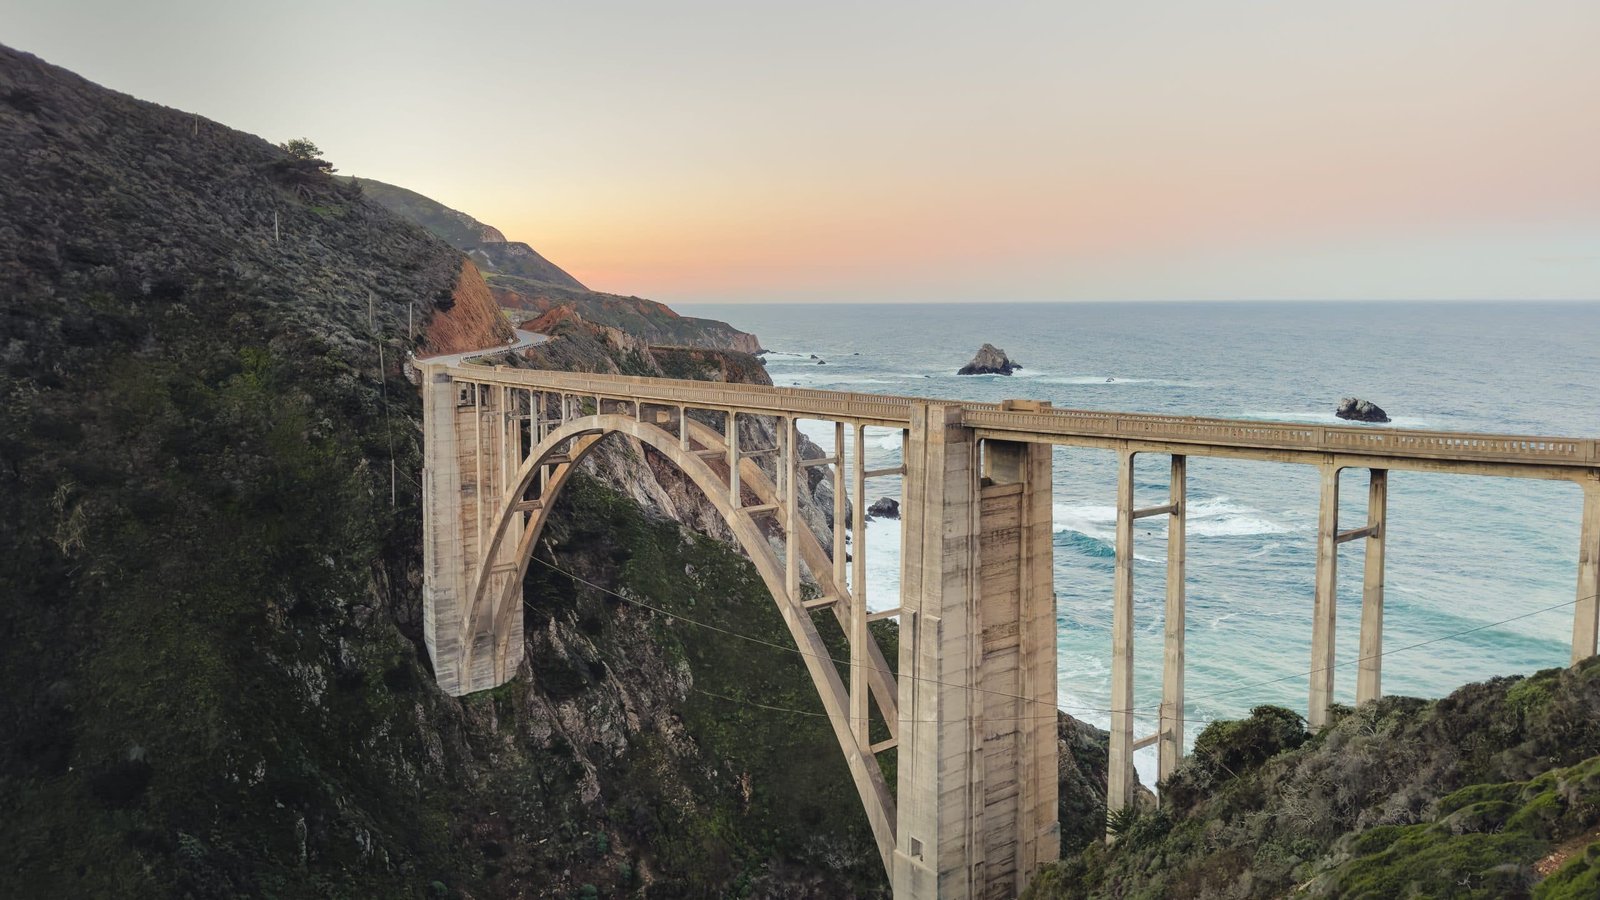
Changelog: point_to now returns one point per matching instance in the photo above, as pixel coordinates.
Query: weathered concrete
(972, 712)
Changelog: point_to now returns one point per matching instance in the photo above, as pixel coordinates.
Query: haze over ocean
(1462, 551)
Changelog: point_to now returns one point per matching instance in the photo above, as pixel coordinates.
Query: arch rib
(584, 434)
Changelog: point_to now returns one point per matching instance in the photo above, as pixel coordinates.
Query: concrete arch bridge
(970, 704)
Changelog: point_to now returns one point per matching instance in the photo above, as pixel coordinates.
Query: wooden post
(1586, 614)
(1324, 610)
(1170, 744)
(1369, 668)
(1119, 781)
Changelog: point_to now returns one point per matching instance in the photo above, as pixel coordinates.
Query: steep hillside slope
(213, 680)
(485, 244)
(525, 281)
(1491, 792)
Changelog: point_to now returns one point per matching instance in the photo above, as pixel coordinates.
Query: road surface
(523, 340)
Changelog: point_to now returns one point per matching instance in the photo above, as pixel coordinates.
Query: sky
(830, 151)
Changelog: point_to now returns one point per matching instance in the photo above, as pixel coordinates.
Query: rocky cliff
(529, 285)
(464, 319)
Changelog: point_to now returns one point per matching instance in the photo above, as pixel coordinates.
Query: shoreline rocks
(884, 508)
(1358, 410)
(989, 360)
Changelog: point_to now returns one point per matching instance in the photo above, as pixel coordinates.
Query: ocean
(1463, 552)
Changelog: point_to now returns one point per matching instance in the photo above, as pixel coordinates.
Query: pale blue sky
(1408, 149)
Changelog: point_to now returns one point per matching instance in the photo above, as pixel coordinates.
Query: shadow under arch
(566, 446)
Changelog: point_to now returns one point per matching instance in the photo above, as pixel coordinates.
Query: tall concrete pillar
(1325, 607)
(1369, 666)
(1119, 767)
(1586, 614)
(444, 569)
(977, 791)
(463, 485)
(1169, 741)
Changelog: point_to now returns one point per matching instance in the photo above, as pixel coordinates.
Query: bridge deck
(1538, 456)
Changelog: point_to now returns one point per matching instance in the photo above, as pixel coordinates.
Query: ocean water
(1462, 552)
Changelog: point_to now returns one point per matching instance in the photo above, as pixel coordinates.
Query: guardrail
(895, 411)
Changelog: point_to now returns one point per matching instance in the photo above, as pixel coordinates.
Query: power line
(763, 642)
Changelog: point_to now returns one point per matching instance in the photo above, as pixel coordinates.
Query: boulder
(884, 508)
(1357, 410)
(990, 360)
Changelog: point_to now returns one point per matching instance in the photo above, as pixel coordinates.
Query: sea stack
(1357, 410)
(884, 508)
(990, 360)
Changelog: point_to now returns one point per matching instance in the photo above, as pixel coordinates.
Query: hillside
(528, 285)
(214, 683)
(1491, 792)
(487, 247)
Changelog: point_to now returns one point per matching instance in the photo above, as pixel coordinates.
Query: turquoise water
(1462, 551)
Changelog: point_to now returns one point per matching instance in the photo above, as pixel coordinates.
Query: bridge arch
(492, 605)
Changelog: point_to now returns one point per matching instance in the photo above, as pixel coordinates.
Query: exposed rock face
(1357, 410)
(523, 280)
(884, 508)
(1082, 760)
(466, 318)
(658, 486)
(991, 360)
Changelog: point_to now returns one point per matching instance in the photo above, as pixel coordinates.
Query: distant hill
(486, 245)
(524, 280)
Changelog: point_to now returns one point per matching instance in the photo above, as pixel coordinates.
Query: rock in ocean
(884, 508)
(1357, 410)
(990, 360)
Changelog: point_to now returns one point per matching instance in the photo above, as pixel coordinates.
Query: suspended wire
(789, 648)
(1008, 695)
(1068, 707)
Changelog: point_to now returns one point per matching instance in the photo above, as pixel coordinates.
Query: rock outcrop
(884, 508)
(528, 285)
(990, 360)
(464, 319)
(1357, 410)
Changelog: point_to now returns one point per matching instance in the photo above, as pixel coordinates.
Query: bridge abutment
(470, 449)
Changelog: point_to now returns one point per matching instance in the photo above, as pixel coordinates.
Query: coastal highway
(523, 340)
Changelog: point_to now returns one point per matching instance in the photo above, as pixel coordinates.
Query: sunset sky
(748, 151)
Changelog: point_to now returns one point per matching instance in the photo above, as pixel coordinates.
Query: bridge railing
(895, 411)
(1531, 449)
(882, 409)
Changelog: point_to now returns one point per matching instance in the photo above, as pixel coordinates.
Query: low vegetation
(1493, 791)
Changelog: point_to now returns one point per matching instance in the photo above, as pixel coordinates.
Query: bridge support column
(1369, 667)
(1119, 762)
(1586, 614)
(467, 432)
(1325, 606)
(1169, 743)
(977, 795)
